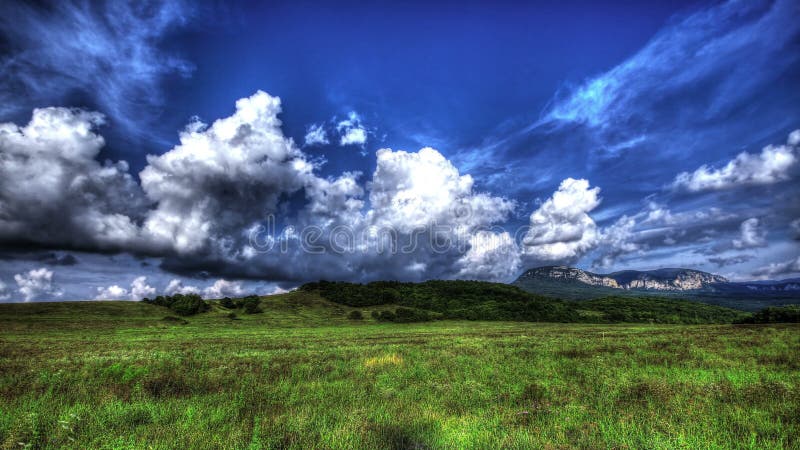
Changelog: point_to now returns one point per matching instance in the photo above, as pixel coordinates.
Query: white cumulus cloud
(561, 228)
(491, 256)
(751, 235)
(139, 289)
(772, 165)
(352, 131)
(112, 292)
(224, 288)
(37, 284)
(48, 169)
(222, 179)
(176, 286)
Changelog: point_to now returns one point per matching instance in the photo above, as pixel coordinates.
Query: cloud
(55, 259)
(620, 125)
(139, 290)
(491, 256)
(752, 235)
(112, 292)
(5, 293)
(416, 190)
(221, 180)
(54, 192)
(107, 52)
(795, 227)
(201, 203)
(422, 213)
(699, 53)
(722, 261)
(620, 238)
(561, 228)
(791, 266)
(316, 135)
(657, 226)
(219, 289)
(224, 288)
(37, 284)
(771, 166)
(176, 286)
(352, 131)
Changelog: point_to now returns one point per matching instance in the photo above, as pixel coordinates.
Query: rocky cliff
(658, 280)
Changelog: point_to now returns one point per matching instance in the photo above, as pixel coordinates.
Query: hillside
(476, 300)
(330, 304)
(576, 284)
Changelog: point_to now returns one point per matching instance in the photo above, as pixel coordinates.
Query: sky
(247, 147)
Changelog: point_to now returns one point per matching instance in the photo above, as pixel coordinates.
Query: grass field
(301, 375)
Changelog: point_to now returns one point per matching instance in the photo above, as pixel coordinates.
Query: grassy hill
(476, 300)
(301, 374)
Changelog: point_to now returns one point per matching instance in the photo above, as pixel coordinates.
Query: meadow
(303, 375)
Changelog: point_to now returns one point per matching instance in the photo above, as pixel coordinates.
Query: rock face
(657, 280)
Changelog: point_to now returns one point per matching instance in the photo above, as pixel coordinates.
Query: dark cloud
(721, 261)
(55, 259)
(776, 269)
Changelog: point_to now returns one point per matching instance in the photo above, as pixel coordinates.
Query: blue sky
(607, 135)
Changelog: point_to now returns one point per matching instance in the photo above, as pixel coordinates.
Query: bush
(232, 316)
(386, 316)
(355, 315)
(408, 315)
(182, 304)
(188, 305)
(250, 304)
(227, 303)
(375, 315)
(775, 314)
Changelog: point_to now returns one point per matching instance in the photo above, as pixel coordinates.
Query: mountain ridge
(672, 279)
(577, 284)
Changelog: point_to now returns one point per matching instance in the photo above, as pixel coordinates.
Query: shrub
(227, 303)
(187, 305)
(375, 315)
(232, 316)
(386, 316)
(775, 314)
(407, 315)
(250, 304)
(355, 315)
(182, 304)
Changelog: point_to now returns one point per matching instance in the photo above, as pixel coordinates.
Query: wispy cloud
(703, 53)
(712, 74)
(316, 135)
(106, 52)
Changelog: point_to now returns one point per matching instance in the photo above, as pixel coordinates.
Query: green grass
(302, 375)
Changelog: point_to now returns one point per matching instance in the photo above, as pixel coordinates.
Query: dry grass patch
(389, 359)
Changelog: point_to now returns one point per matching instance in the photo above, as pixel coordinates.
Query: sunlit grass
(302, 375)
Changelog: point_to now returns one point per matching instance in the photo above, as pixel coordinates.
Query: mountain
(576, 284)
(658, 280)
